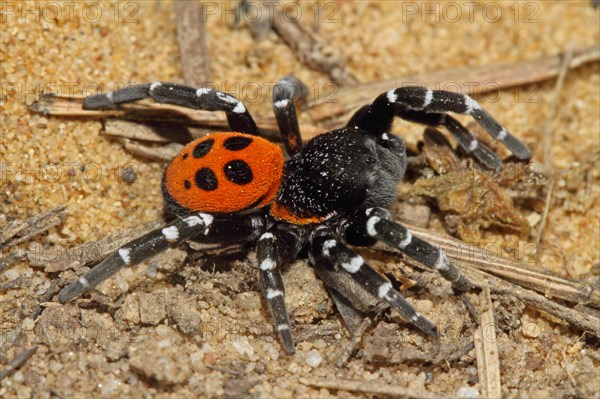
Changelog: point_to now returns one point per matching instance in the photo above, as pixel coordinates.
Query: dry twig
(540, 232)
(45, 297)
(550, 285)
(260, 26)
(191, 35)
(17, 362)
(16, 283)
(11, 259)
(548, 138)
(20, 232)
(549, 130)
(371, 387)
(90, 252)
(486, 348)
(313, 332)
(383, 348)
(162, 153)
(358, 334)
(479, 266)
(155, 112)
(586, 322)
(311, 49)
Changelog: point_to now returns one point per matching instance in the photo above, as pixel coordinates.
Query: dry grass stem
(540, 232)
(587, 319)
(19, 232)
(486, 348)
(584, 321)
(550, 285)
(489, 78)
(370, 387)
(549, 128)
(17, 362)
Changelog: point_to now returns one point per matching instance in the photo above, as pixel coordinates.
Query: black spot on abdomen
(237, 143)
(238, 172)
(206, 179)
(203, 148)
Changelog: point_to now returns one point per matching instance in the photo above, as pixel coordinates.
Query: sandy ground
(196, 327)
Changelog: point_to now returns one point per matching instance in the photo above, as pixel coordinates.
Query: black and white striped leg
(285, 91)
(465, 139)
(378, 116)
(325, 246)
(271, 282)
(200, 226)
(376, 224)
(207, 99)
(139, 250)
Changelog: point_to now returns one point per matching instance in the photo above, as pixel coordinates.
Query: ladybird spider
(331, 193)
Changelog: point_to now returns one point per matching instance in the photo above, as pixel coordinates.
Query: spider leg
(375, 223)
(378, 116)
(324, 246)
(285, 91)
(271, 282)
(206, 99)
(465, 139)
(201, 226)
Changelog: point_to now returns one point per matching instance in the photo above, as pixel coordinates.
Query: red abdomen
(223, 173)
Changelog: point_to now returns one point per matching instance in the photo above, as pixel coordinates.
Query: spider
(332, 193)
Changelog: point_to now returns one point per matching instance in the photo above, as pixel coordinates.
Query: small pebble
(129, 174)
(271, 350)
(530, 330)
(428, 377)
(11, 274)
(244, 348)
(55, 366)
(28, 324)
(210, 358)
(467, 392)
(18, 376)
(42, 123)
(110, 386)
(314, 358)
